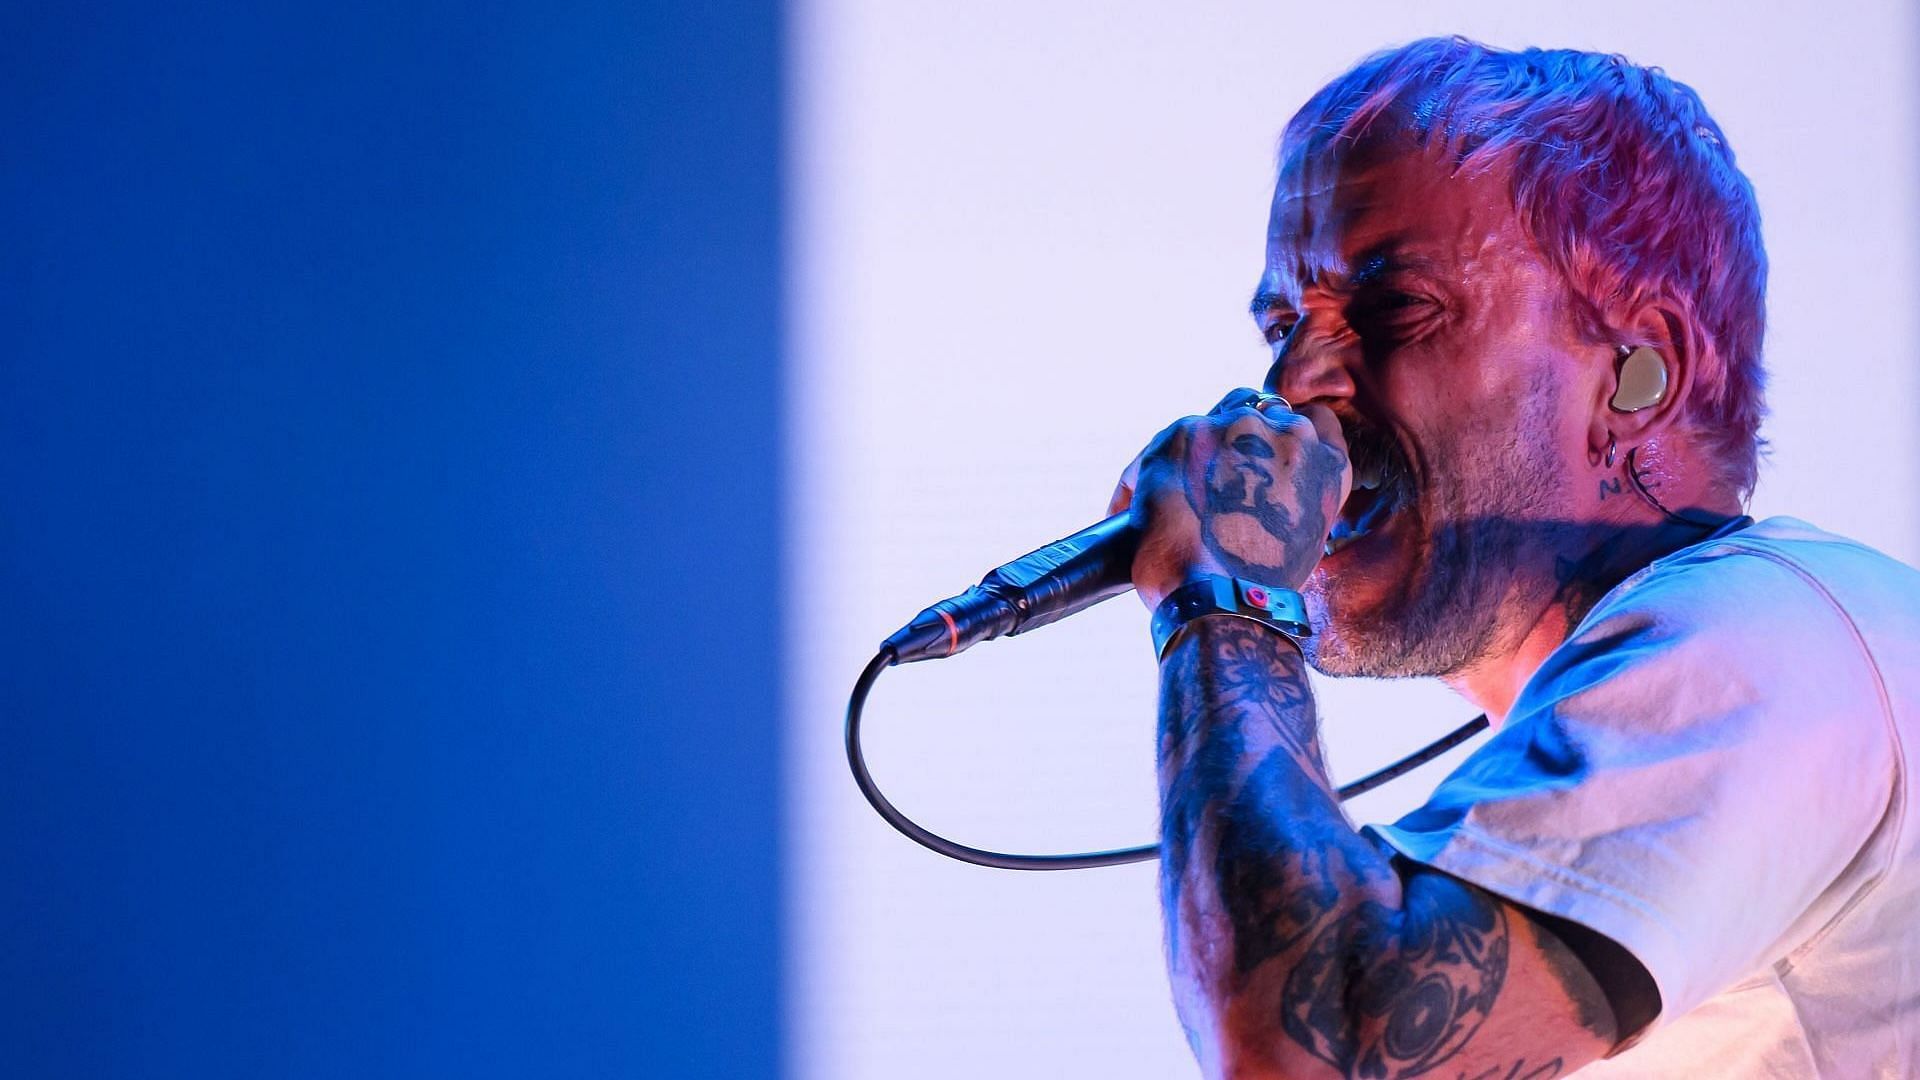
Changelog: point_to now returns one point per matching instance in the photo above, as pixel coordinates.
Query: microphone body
(1033, 590)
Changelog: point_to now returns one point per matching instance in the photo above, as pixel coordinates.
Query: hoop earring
(1610, 448)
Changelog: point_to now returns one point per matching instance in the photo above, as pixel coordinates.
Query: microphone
(1041, 586)
(1033, 590)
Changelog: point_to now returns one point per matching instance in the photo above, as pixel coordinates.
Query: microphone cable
(857, 703)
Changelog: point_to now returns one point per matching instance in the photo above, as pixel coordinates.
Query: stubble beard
(1466, 582)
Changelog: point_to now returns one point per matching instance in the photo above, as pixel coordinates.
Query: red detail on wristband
(1258, 597)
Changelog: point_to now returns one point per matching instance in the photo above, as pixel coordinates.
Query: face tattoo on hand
(1250, 520)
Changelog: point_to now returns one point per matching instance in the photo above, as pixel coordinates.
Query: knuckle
(1237, 398)
(1291, 422)
(1243, 422)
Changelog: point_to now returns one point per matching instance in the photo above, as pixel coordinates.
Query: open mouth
(1382, 484)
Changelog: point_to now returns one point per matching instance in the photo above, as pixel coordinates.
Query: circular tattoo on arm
(1385, 995)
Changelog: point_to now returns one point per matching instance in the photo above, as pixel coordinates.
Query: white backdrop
(1004, 202)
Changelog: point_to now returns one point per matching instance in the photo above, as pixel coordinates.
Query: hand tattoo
(1255, 525)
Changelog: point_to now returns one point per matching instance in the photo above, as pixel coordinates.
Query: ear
(1657, 344)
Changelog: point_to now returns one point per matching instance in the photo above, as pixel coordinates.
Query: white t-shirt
(1713, 772)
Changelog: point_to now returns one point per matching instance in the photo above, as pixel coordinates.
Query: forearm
(1259, 867)
(1298, 948)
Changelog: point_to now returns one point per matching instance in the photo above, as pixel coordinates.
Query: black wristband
(1280, 609)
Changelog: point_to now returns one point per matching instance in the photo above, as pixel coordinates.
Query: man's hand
(1237, 492)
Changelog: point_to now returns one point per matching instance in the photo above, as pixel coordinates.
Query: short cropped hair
(1619, 176)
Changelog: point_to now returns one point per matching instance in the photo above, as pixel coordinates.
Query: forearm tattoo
(1373, 977)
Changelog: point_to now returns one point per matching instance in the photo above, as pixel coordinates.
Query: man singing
(1515, 302)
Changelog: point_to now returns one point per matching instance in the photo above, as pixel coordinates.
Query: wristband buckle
(1281, 609)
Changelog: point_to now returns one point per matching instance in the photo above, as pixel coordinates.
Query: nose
(1307, 371)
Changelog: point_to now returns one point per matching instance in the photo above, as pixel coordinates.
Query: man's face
(1412, 303)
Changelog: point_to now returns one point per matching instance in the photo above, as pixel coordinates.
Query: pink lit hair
(1622, 180)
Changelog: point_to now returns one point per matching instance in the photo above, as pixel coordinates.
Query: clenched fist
(1237, 492)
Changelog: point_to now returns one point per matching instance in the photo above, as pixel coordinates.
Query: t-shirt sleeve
(1691, 775)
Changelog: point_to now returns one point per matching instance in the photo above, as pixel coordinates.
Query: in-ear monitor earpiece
(1643, 380)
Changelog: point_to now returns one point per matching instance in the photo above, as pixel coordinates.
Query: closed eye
(1394, 301)
(1388, 310)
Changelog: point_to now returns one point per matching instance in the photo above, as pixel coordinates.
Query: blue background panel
(388, 564)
